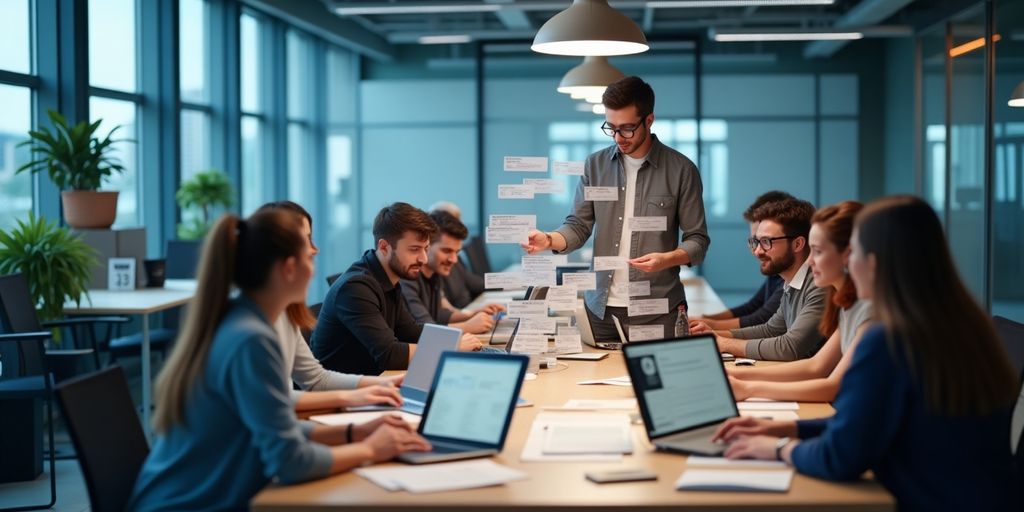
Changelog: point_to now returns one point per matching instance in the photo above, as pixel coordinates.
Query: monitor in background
(182, 258)
(683, 392)
(470, 406)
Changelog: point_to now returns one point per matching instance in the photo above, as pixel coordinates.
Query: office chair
(107, 435)
(27, 362)
(476, 253)
(332, 278)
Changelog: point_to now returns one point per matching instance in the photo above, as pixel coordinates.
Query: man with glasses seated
(637, 176)
(780, 243)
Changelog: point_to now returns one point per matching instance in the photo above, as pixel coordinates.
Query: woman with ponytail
(224, 420)
(322, 388)
(817, 379)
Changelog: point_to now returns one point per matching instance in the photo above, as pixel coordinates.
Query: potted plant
(202, 192)
(57, 264)
(77, 161)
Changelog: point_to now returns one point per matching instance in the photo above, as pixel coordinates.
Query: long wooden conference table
(562, 486)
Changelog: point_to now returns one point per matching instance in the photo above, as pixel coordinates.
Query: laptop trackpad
(697, 442)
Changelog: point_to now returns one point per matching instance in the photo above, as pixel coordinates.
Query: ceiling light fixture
(362, 10)
(698, 4)
(750, 35)
(590, 78)
(972, 45)
(590, 27)
(1017, 96)
(445, 39)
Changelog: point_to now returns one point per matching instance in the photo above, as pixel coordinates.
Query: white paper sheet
(609, 263)
(530, 344)
(449, 476)
(640, 307)
(734, 480)
(545, 185)
(648, 223)
(600, 193)
(533, 449)
(526, 164)
(512, 191)
(527, 308)
(634, 288)
(569, 168)
(722, 462)
(503, 280)
(506, 234)
(760, 404)
(772, 415)
(562, 298)
(538, 262)
(537, 325)
(581, 280)
(646, 332)
(344, 418)
(568, 344)
(539, 278)
(613, 381)
(525, 221)
(564, 438)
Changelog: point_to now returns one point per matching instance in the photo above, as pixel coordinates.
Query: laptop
(434, 340)
(683, 392)
(587, 332)
(505, 327)
(470, 406)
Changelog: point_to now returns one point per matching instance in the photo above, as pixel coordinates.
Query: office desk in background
(561, 485)
(142, 302)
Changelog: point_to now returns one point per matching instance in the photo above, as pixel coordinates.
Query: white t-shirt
(621, 277)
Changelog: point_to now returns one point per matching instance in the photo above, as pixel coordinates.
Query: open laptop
(470, 406)
(434, 340)
(505, 327)
(587, 332)
(683, 392)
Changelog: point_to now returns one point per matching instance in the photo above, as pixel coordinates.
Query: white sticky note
(634, 288)
(568, 344)
(528, 308)
(506, 235)
(609, 263)
(648, 223)
(529, 344)
(646, 332)
(503, 280)
(545, 185)
(540, 278)
(512, 191)
(568, 329)
(601, 193)
(562, 298)
(526, 163)
(538, 262)
(537, 325)
(640, 307)
(581, 280)
(569, 168)
(526, 221)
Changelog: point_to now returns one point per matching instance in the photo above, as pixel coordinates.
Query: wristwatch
(779, 445)
(550, 241)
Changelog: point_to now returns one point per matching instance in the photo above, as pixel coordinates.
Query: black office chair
(1012, 334)
(28, 363)
(476, 252)
(332, 278)
(107, 434)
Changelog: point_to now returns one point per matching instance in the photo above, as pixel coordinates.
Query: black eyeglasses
(626, 131)
(766, 242)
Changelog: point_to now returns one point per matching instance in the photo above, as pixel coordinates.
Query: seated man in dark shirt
(767, 298)
(461, 285)
(364, 326)
(425, 296)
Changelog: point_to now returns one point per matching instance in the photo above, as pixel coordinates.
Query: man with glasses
(637, 178)
(780, 243)
(765, 301)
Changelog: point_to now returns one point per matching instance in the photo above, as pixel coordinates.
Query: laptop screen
(680, 384)
(434, 340)
(473, 397)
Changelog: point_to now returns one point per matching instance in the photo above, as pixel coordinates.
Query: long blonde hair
(263, 240)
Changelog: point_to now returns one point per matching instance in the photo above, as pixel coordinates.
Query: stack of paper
(722, 462)
(451, 476)
(763, 404)
(571, 437)
(582, 404)
(732, 480)
(614, 381)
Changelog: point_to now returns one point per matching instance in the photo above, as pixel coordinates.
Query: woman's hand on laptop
(389, 436)
(469, 343)
(753, 447)
(382, 380)
(733, 428)
(370, 395)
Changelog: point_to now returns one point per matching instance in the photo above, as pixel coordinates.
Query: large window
(255, 151)
(114, 95)
(195, 87)
(300, 93)
(16, 108)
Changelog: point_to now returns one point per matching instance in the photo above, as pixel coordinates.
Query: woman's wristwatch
(779, 445)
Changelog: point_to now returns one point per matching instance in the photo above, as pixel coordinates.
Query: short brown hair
(394, 220)
(768, 197)
(448, 224)
(794, 215)
(627, 91)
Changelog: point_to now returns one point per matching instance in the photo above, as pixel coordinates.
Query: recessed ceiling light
(680, 4)
(734, 36)
(445, 39)
(359, 10)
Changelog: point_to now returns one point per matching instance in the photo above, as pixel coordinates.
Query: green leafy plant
(73, 156)
(203, 192)
(56, 263)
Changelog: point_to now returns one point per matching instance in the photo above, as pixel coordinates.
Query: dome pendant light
(1017, 97)
(590, 78)
(590, 27)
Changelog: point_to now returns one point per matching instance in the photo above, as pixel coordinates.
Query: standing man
(425, 296)
(650, 180)
(364, 326)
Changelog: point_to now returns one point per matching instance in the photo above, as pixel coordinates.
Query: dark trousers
(604, 330)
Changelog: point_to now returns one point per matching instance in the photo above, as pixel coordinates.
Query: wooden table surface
(561, 485)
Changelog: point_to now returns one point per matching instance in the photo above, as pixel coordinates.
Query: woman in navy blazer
(926, 402)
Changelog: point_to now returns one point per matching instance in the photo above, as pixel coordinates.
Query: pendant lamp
(590, 27)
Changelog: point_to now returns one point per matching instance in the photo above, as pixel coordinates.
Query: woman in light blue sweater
(225, 423)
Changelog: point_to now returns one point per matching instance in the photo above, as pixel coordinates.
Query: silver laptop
(434, 340)
(587, 332)
(470, 406)
(683, 392)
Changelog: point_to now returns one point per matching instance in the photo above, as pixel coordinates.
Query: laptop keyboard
(441, 447)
